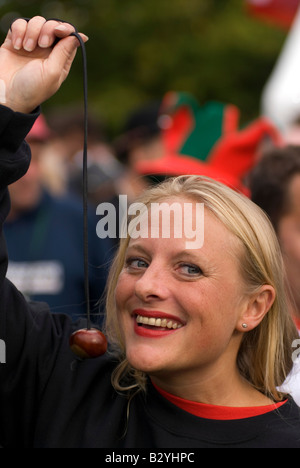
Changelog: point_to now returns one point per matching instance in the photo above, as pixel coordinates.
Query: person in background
(104, 171)
(291, 135)
(45, 241)
(275, 187)
(205, 140)
(139, 140)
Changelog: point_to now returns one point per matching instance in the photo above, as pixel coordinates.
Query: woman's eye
(136, 263)
(190, 270)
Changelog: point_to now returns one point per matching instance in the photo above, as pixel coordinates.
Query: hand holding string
(31, 69)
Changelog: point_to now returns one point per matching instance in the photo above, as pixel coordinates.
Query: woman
(200, 338)
(227, 297)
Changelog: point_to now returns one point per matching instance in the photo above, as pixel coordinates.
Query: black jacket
(48, 398)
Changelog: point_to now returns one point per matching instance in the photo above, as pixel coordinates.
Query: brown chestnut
(88, 343)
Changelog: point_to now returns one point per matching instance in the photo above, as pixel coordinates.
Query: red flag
(280, 12)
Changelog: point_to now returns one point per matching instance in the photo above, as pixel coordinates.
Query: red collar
(297, 322)
(221, 413)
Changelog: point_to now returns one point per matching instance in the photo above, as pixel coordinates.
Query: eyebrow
(138, 247)
(176, 256)
(187, 253)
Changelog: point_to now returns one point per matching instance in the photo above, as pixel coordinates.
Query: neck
(219, 389)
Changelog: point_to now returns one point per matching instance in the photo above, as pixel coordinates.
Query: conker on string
(88, 343)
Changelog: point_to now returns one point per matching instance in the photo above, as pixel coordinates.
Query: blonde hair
(265, 355)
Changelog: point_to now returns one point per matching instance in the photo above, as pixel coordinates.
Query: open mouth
(151, 324)
(157, 323)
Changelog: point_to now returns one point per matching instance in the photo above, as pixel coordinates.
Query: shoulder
(284, 426)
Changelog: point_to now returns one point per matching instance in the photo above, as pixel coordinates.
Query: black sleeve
(14, 152)
(30, 337)
(34, 341)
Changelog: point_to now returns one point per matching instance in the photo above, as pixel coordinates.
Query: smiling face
(181, 311)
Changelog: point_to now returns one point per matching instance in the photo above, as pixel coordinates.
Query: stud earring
(245, 325)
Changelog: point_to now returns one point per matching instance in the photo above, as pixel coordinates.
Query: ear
(257, 308)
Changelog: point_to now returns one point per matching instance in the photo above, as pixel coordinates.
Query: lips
(155, 324)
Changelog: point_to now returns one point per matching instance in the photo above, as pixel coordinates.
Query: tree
(138, 50)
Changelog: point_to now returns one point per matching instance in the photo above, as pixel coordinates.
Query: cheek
(215, 308)
(124, 290)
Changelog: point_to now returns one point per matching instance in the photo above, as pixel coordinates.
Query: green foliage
(138, 50)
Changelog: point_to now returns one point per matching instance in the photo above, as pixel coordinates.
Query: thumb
(63, 54)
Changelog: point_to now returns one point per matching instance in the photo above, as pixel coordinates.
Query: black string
(85, 182)
(84, 173)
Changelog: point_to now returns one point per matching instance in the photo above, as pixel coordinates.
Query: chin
(143, 361)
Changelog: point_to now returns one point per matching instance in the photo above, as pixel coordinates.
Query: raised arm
(32, 69)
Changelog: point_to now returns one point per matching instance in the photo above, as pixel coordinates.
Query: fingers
(38, 32)
(53, 30)
(33, 31)
(25, 34)
(61, 58)
(17, 33)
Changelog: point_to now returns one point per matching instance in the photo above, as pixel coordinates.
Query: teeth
(158, 322)
(164, 323)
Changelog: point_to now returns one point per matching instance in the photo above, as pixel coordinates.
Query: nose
(152, 285)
